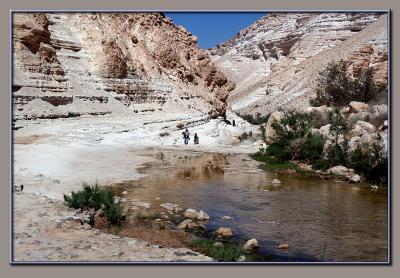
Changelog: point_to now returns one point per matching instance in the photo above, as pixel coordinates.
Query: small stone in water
(226, 217)
(283, 246)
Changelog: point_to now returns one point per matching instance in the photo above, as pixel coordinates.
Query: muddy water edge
(320, 220)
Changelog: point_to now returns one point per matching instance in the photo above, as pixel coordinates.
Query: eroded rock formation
(72, 64)
(275, 61)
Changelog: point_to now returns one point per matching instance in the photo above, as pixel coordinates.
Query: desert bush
(311, 147)
(96, 197)
(279, 151)
(228, 252)
(293, 125)
(369, 161)
(114, 214)
(337, 88)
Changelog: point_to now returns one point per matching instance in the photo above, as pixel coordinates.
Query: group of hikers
(186, 137)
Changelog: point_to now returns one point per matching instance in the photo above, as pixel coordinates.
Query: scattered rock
(184, 224)
(355, 178)
(251, 246)
(325, 130)
(321, 111)
(276, 181)
(124, 192)
(202, 215)
(225, 217)
(190, 213)
(369, 128)
(283, 246)
(358, 106)
(339, 170)
(223, 232)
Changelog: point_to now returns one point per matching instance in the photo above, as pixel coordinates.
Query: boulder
(270, 132)
(190, 213)
(184, 224)
(355, 178)
(357, 106)
(339, 170)
(369, 128)
(369, 138)
(345, 110)
(321, 111)
(202, 216)
(360, 116)
(325, 130)
(251, 246)
(223, 232)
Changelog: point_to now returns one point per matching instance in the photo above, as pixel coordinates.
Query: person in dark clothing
(233, 122)
(186, 136)
(196, 139)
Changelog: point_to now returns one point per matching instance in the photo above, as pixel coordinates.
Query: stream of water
(319, 219)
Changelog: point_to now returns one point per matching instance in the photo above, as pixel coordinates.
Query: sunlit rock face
(74, 64)
(275, 61)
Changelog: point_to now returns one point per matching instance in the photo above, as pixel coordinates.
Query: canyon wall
(275, 61)
(79, 64)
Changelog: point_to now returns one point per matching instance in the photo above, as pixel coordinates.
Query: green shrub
(312, 147)
(278, 151)
(337, 154)
(369, 162)
(293, 125)
(337, 88)
(96, 197)
(114, 214)
(228, 252)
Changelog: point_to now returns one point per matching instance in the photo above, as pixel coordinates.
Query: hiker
(233, 122)
(196, 139)
(186, 137)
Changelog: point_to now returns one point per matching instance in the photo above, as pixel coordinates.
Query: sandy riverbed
(53, 157)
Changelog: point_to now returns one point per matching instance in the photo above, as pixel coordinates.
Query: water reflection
(316, 217)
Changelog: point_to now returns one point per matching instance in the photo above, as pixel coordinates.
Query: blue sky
(213, 28)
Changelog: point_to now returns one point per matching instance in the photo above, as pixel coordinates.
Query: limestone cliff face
(275, 61)
(71, 64)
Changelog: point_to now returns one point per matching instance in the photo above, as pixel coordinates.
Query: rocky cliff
(275, 61)
(74, 64)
